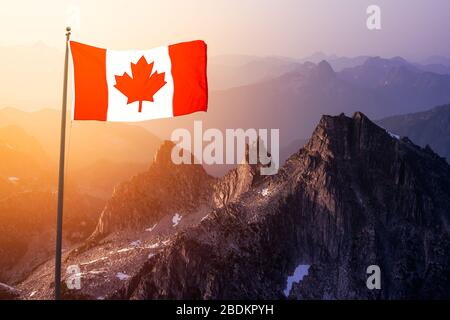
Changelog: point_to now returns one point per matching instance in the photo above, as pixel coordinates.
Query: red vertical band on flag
(189, 77)
(91, 89)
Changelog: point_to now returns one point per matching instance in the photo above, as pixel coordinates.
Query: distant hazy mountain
(337, 63)
(27, 228)
(430, 127)
(22, 157)
(89, 141)
(100, 178)
(24, 166)
(435, 68)
(234, 60)
(37, 70)
(99, 154)
(225, 72)
(294, 101)
(375, 71)
(228, 71)
(437, 60)
(28, 205)
(397, 75)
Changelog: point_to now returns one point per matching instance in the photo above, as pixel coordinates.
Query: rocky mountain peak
(354, 196)
(325, 67)
(347, 137)
(240, 179)
(163, 154)
(164, 189)
(323, 72)
(379, 62)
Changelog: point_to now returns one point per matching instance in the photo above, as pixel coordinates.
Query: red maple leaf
(143, 85)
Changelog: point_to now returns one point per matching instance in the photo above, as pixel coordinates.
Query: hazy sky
(32, 33)
(411, 28)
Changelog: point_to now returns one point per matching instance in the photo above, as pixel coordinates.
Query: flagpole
(59, 220)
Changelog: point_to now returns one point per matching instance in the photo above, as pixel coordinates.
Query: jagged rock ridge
(352, 197)
(164, 189)
(140, 219)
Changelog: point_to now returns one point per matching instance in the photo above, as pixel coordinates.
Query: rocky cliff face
(354, 196)
(166, 189)
(140, 220)
(162, 190)
(431, 127)
(237, 181)
(388, 205)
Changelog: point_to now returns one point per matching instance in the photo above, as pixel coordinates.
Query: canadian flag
(138, 85)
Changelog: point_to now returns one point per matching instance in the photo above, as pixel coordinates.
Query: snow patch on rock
(176, 219)
(93, 261)
(153, 246)
(124, 250)
(136, 243)
(151, 228)
(265, 192)
(95, 272)
(300, 272)
(122, 276)
(395, 136)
